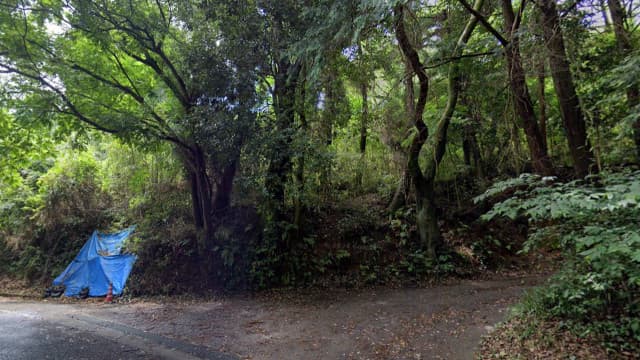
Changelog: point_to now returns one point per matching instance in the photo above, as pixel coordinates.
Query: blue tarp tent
(98, 263)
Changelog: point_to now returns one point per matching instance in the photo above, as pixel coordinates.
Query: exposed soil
(442, 322)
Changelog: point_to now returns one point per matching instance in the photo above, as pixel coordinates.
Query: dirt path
(443, 322)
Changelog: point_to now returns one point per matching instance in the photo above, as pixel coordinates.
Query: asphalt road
(31, 338)
(47, 331)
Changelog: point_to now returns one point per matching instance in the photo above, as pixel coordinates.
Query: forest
(292, 144)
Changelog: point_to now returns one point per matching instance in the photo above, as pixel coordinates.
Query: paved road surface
(24, 337)
(57, 331)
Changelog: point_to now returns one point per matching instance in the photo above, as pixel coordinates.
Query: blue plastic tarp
(98, 263)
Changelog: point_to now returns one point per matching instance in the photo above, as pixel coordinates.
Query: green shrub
(596, 224)
(50, 214)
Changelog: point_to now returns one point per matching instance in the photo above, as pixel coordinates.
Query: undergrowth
(595, 223)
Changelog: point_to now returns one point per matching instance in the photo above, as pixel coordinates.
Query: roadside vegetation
(594, 296)
(268, 144)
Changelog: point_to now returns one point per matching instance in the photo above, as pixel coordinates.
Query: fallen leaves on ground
(527, 338)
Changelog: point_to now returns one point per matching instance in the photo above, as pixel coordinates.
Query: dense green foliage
(595, 222)
(258, 144)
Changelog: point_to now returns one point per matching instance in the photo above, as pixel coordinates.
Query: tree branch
(456, 58)
(153, 64)
(412, 57)
(74, 110)
(184, 93)
(115, 84)
(485, 23)
(124, 71)
(519, 16)
(440, 134)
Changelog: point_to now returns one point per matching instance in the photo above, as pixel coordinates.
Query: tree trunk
(472, 157)
(194, 162)
(597, 149)
(636, 137)
(466, 148)
(298, 220)
(623, 41)
(478, 166)
(401, 195)
(280, 163)
(542, 102)
(426, 214)
(195, 200)
(427, 219)
(470, 146)
(572, 115)
(521, 98)
(224, 187)
(203, 185)
(298, 205)
(328, 119)
(517, 166)
(618, 17)
(364, 119)
(330, 110)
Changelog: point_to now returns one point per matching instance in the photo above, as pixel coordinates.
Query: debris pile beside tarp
(98, 263)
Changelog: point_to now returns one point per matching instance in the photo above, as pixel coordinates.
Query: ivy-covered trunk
(429, 237)
(427, 218)
(401, 195)
(280, 164)
(429, 234)
(521, 97)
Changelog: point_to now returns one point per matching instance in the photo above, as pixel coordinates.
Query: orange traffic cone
(109, 297)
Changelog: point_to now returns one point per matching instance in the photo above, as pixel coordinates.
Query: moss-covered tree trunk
(426, 215)
(401, 195)
(429, 234)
